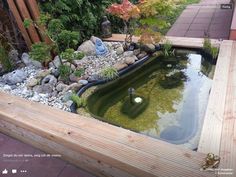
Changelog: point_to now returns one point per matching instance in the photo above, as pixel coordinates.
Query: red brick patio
(35, 167)
(205, 18)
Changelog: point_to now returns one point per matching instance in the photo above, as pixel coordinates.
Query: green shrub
(67, 39)
(4, 60)
(209, 48)
(167, 48)
(40, 52)
(65, 71)
(71, 55)
(214, 52)
(80, 102)
(79, 72)
(109, 73)
(207, 45)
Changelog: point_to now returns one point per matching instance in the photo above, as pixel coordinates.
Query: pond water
(171, 93)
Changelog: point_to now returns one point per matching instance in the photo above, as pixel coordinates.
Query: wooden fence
(9, 30)
(28, 9)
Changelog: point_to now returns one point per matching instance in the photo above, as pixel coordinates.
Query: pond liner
(103, 81)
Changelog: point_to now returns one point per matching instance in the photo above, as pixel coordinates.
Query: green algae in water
(175, 98)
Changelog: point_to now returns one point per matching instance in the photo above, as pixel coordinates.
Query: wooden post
(19, 22)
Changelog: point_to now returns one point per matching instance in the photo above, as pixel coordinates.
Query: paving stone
(203, 20)
(195, 33)
(202, 27)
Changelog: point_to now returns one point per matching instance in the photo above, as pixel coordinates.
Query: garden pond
(165, 98)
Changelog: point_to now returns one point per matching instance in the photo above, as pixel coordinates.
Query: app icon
(14, 171)
(4, 172)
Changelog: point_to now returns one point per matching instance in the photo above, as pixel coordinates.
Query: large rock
(119, 50)
(83, 82)
(42, 73)
(32, 82)
(120, 65)
(128, 54)
(73, 78)
(149, 48)
(61, 86)
(74, 87)
(14, 77)
(55, 63)
(49, 79)
(87, 47)
(93, 39)
(30, 62)
(45, 89)
(130, 60)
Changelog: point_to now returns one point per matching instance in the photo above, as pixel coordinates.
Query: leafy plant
(65, 71)
(71, 55)
(209, 48)
(80, 102)
(214, 52)
(4, 59)
(167, 48)
(40, 52)
(79, 72)
(67, 39)
(109, 73)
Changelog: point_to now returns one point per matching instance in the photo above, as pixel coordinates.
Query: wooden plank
(176, 41)
(116, 154)
(212, 127)
(19, 22)
(187, 157)
(228, 138)
(91, 165)
(35, 14)
(25, 15)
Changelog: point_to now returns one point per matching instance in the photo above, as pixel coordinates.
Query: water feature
(167, 98)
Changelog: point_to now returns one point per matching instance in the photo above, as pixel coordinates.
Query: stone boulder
(14, 77)
(120, 65)
(32, 82)
(30, 62)
(55, 63)
(87, 47)
(128, 54)
(141, 55)
(149, 48)
(119, 50)
(130, 60)
(45, 89)
(49, 79)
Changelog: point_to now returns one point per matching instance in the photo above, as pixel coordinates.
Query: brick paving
(204, 18)
(35, 167)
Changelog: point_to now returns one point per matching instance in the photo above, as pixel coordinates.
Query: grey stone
(55, 72)
(120, 65)
(128, 53)
(61, 86)
(55, 63)
(42, 73)
(32, 82)
(15, 77)
(87, 47)
(130, 60)
(94, 77)
(119, 50)
(83, 82)
(141, 55)
(7, 88)
(94, 38)
(149, 48)
(73, 78)
(49, 79)
(30, 62)
(45, 89)
(74, 87)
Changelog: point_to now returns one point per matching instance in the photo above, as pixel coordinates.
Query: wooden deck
(106, 150)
